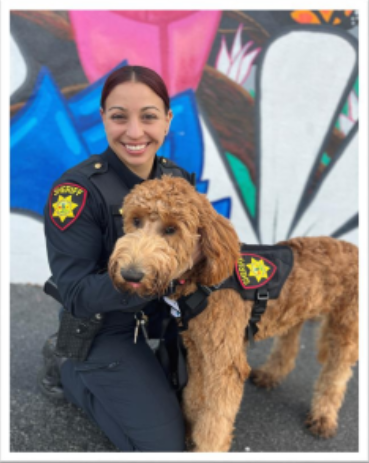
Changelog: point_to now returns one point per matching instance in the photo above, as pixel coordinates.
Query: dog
(164, 221)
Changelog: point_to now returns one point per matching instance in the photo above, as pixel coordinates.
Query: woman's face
(135, 124)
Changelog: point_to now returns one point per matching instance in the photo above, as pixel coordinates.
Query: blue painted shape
(44, 143)
(85, 107)
(95, 138)
(202, 186)
(184, 143)
(223, 206)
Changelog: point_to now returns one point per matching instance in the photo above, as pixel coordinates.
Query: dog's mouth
(134, 285)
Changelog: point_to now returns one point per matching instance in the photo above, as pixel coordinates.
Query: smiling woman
(117, 381)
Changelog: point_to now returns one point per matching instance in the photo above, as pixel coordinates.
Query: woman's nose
(134, 128)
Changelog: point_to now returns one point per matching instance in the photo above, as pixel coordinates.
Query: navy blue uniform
(121, 385)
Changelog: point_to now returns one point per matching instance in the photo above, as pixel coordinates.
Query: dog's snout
(132, 275)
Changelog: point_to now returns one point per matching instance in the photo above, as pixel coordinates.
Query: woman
(120, 385)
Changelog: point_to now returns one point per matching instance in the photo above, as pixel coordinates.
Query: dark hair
(136, 74)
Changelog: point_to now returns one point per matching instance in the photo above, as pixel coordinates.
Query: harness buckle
(262, 296)
(206, 289)
(171, 288)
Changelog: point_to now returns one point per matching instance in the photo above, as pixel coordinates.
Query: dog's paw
(263, 379)
(321, 426)
(190, 445)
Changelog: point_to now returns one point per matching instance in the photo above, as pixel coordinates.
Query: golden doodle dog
(163, 222)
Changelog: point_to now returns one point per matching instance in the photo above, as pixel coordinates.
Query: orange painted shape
(327, 14)
(305, 17)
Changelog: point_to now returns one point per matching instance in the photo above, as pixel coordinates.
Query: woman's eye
(169, 230)
(136, 222)
(118, 117)
(149, 117)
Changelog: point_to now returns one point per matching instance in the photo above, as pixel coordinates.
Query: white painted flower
(348, 121)
(236, 65)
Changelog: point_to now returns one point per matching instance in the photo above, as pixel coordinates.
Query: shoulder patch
(66, 203)
(254, 271)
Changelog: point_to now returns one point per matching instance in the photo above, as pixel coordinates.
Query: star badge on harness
(66, 204)
(254, 271)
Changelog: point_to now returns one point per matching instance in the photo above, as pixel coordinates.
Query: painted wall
(265, 113)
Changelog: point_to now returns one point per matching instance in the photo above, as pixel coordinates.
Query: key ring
(141, 317)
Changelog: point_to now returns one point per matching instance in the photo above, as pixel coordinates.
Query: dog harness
(259, 275)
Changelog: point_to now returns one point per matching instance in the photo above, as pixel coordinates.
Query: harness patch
(66, 203)
(254, 271)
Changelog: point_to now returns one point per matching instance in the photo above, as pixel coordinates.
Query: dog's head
(163, 222)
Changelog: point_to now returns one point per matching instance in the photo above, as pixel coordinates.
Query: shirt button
(124, 301)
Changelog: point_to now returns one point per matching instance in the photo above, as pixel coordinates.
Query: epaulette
(165, 162)
(91, 166)
(171, 167)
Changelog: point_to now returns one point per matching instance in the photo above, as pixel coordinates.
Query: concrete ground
(267, 422)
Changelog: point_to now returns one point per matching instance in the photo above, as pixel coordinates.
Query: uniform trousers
(123, 389)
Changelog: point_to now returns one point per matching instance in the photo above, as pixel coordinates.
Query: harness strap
(171, 354)
(193, 305)
(262, 297)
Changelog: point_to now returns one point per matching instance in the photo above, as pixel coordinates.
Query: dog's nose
(132, 275)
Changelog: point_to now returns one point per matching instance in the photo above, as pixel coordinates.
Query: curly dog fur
(163, 222)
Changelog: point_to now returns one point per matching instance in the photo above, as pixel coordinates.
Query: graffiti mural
(265, 110)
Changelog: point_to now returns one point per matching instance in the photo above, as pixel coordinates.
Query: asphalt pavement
(268, 421)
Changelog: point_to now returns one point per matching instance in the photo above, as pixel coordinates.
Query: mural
(265, 110)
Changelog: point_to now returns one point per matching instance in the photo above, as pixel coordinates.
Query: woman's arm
(75, 255)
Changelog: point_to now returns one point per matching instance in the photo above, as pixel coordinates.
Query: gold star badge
(64, 207)
(258, 269)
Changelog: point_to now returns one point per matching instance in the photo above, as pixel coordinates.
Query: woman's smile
(135, 149)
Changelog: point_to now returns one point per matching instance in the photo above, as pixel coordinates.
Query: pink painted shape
(176, 44)
(189, 44)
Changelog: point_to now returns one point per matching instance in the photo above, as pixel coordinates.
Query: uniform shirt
(78, 255)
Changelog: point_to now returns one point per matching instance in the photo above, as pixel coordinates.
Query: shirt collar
(129, 178)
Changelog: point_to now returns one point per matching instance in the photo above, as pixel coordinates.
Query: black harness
(259, 275)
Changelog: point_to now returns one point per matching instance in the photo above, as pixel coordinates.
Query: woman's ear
(169, 118)
(219, 245)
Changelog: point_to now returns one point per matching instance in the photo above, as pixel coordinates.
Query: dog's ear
(219, 245)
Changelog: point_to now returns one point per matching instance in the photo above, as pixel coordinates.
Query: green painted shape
(325, 159)
(356, 86)
(345, 109)
(243, 179)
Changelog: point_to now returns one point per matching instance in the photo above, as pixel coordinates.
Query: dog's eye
(136, 222)
(169, 230)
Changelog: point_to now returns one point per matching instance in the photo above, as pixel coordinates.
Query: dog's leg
(281, 360)
(193, 393)
(217, 359)
(214, 425)
(338, 351)
(219, 335)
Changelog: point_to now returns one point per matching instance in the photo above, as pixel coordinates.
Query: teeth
(136, 147)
